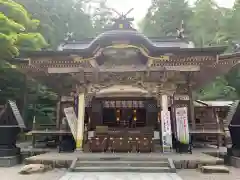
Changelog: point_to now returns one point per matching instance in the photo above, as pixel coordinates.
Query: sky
(141, 6)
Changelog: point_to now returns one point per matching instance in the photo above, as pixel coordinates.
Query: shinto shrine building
(129, 92)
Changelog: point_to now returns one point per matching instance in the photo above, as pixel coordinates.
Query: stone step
(124, 169)
(131, 157)
(214, 169)
(123, 163)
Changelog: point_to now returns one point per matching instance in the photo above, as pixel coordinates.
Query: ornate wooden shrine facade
(165, 69)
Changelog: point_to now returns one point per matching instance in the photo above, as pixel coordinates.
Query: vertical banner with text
(166, 131)
(182, 125)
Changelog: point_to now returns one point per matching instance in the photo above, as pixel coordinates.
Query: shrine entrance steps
(117, 164)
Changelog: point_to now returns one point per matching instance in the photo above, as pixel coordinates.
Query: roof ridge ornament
(122, 21)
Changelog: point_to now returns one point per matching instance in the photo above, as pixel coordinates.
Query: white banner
(182, 125)
(166, 131)
(72, 120)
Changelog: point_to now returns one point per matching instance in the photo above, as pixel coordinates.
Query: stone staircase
(160, 165)
(228, 119)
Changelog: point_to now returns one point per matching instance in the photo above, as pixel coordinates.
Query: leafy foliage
(164, 16)
(17, 32)
(16, 29)
(67, 19)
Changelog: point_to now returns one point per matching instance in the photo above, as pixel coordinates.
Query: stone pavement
(197, 175)
(11, 173)
(58, 174)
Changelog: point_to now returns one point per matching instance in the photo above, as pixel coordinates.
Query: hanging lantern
(118, 115)
(135, 115)
(89, 120)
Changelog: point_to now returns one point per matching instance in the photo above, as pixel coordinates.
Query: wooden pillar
(58, 112)
(151, 112)
(173, 116)
(159, 118)
(191, 105)
(33, 135)
(218, 127)
(25, 100)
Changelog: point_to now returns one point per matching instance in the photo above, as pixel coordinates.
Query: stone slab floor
(60, 174)
(197, 175)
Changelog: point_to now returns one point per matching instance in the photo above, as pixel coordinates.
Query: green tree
(17, 30)
(233, 79)
(206, 23)
(60, 18)
(102, 17)
(164, 16)
(220, 89)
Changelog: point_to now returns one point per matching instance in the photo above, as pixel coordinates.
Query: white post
(166, 125)
(164, 102)
(80, 122)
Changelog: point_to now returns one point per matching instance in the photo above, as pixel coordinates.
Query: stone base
(183, 148)
(233, 157)
(9, 152)
(233, 161)
(9, 161)
(214, 169)
(233, 152)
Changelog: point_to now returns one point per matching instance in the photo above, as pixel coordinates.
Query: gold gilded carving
(120, 78)
(182, 89)
(77, 58)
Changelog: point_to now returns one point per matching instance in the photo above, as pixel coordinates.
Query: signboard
(182, 125)
(17, 114)
(72, 120)
(126, 104)
(166, 131)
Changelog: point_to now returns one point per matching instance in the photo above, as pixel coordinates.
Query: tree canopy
(17, 30)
